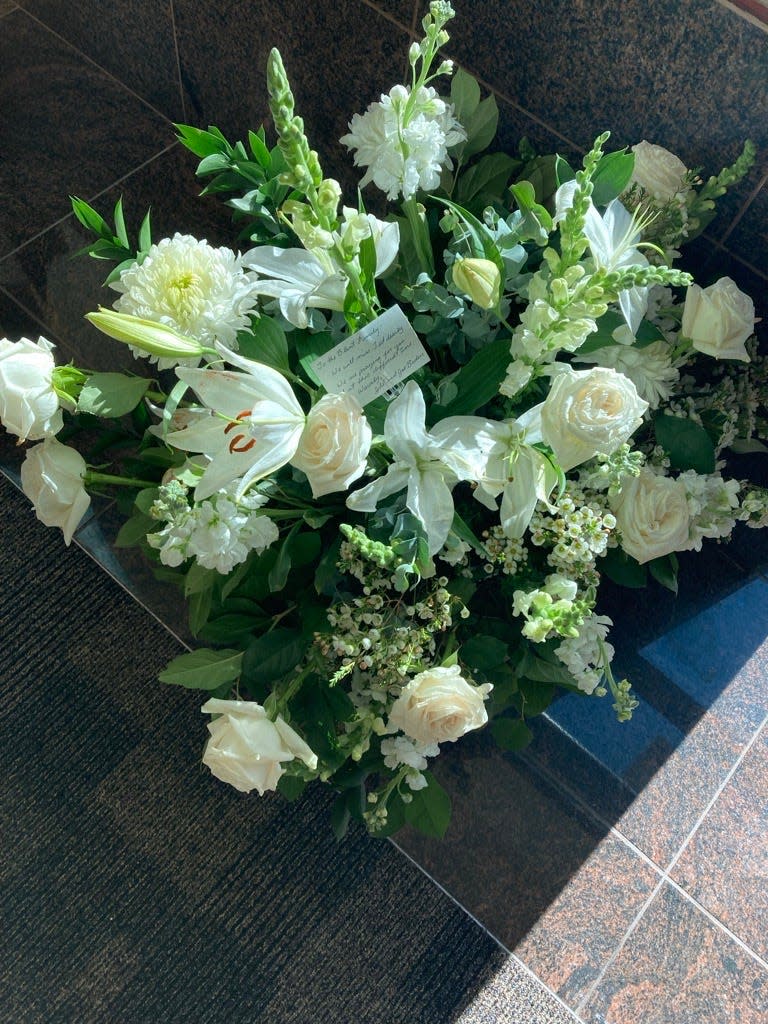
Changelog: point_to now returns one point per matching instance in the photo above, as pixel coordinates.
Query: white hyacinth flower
(403, 140)
(192, 287)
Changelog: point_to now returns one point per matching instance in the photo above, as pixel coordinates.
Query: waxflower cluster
(389, 459)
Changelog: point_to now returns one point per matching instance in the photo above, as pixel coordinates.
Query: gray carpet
(136, 889)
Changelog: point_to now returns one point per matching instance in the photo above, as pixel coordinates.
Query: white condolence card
(374, 359)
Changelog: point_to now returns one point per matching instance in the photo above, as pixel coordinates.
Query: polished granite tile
(725, 864)
(339, 58)
(538, 872)
(694, 82)
(15, 321)
(134, 42)
(403, 11)
(708, 262)
(749, 237)
(6, 6)
(678, 967)
(59, 288)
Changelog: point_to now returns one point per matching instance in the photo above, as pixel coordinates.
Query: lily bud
(480, 280)
(147, 335)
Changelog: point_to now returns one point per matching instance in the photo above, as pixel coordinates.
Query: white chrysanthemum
(649, 368)
(403, 140)
(587, 655)
(191, 286)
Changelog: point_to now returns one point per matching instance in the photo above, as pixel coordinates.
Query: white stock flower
(719, 319)
(652, 515)
(52, 478)
(334, 445)
(246, 749)
(192, 287)
(587, 655)
(660, 173)
(255, 428)
(403, 140)
(422, 465)
(649, 368)
(29, 406)
(588, 412)
(439, 706)
(712, 503)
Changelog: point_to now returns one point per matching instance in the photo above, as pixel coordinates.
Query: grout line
(103, 70)
(385, 14)
(747, 15)
(172, 13)
(752, 196)
(415, 17)
(49, 333)
(90, 198)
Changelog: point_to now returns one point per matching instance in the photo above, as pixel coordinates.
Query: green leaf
(511, 733)
(664, 571)
(481, 127)
(465, 95)
(563, 170)
(430, 809)
(327, 573)
(537, 669)
(537, 221)
(259, 148)
(120, 230)
(198, 579)
(111, 394)
(623, 569)
(134, 530)
(89, 218)
(536, 697)
(231, 628)
(265, 343)
(687, 443)
(199, 609)
(611, 176)
(487, 178)
(308, 348)
(278, 574)
(145, 233)
(200, 142)
(269, 657)
(291, 787)
(479, 380)
(483, 652)
(203, 669)
(213, 164)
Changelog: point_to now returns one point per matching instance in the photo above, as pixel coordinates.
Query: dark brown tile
(339, 58)
(134, 42)
(403, 11)
(749, 237)
(677, 967)
(6, 6)
(54, 106)
(725, 864)
(529, 865)
(693, 80)
(59, 288)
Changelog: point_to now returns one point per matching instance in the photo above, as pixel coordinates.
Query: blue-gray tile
(134, 42)
(54, 106)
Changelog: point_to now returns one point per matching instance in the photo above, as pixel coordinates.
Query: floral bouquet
(388, 457)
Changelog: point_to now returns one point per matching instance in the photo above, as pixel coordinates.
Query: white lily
(300, 279)
(506, 465)
(613, 239)
(422, 465)
(254, 427)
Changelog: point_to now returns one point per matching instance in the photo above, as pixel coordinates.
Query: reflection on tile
(16, 322)
(532, 867)
(679, 968)
(695, 84)
(120, 45)
(59, 287)
(360, 55)
(49, 92)
(725, 864)
(750, 236)
(133, 572)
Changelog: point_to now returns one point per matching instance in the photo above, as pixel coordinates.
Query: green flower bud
(480, 280)
(147, 335)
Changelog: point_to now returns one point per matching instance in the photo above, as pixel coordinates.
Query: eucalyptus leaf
(203, 669)
(111, 394)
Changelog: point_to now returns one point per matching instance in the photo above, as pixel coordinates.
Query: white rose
(439, 706)
(246, 749)
(52, 478)
(589, 411)
(653, 516)
(29, 407)
(334, 445)
(659, 172)
(719, 319)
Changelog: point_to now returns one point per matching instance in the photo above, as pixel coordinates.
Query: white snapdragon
(403, 140)
(192, 287)
(587, 655)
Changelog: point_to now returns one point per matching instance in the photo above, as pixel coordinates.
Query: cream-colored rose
(334, 445)
(719, 319)
(589, 411)
(439, 706)
(52, 478)
(246, 749)
(659, 172)
(652, 515)
(480, 280)
(29, 406)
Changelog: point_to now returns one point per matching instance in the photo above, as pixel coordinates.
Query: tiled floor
(625, 865)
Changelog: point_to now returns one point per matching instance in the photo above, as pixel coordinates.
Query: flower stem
(92, 477)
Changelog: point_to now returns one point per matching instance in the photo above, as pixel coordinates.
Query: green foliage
(111, 394)
(112, 244)
(688, 444)
(511, 733)
(203, 669)
(429, 810)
